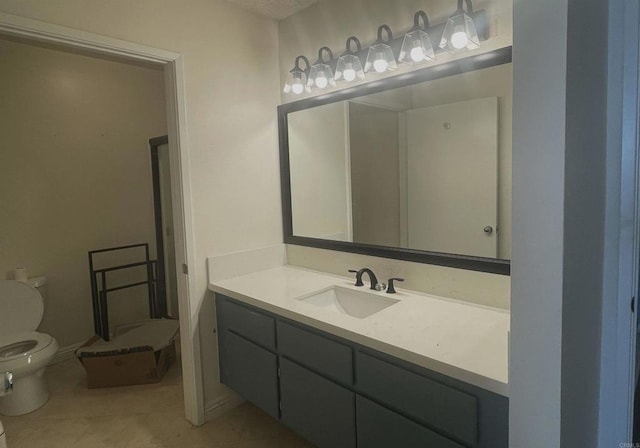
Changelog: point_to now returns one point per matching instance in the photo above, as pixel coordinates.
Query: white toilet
(24, 353)
(3, 439)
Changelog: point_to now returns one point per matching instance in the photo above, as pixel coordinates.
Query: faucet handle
(358, 277)
(390, 288)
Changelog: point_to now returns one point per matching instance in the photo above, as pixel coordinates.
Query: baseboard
(221, 405)
(66, 353)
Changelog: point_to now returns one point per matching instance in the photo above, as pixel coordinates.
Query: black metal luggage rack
(99, 288)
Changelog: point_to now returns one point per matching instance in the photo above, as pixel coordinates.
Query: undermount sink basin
(353, 303)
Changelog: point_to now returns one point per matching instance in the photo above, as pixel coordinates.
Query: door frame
(161, 282)
(622, 227)
(178, 138)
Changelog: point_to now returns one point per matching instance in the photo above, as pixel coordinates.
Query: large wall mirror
(414, 167)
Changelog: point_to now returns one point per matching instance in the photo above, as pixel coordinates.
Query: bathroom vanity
(404, 369)
(415, 168)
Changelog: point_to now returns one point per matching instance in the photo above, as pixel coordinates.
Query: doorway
(176, 125)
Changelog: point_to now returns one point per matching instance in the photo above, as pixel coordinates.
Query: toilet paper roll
(20, 274)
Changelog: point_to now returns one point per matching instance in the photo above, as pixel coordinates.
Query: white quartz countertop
(465, 341)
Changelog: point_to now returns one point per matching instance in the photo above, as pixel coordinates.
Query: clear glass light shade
(460, 33)
(296, 82)
(417, 48)
(380, 59)
(349, 68)
(320, 77)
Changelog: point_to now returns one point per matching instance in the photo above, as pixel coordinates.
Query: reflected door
(452, 178)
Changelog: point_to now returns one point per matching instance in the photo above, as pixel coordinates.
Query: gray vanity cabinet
(448, 410)
(325, 356)
(245, 366)
(378, 427)
(251, 371)
(338, 394)
(313, 370)
(317, 408)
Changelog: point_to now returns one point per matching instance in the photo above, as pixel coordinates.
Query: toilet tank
(38, 283)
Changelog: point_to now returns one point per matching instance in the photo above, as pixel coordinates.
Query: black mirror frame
(459, 66)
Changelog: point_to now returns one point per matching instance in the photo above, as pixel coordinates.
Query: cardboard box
(137, 367)
(125, 366)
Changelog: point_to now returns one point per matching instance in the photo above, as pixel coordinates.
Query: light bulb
(417, 54)
(321, 80)
(380, 65)
(297, 87)
(349, 73)
(459, 39)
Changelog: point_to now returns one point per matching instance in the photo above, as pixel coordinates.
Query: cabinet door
(316, 352)
(448, 410)
(379, 427)
(250, 371)
(246, 322)
(317, 408)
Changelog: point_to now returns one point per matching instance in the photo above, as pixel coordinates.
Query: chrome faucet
(372, 277)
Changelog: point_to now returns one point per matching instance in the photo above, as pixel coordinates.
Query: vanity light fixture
(416, 46)
(321, 75)
(349, 65)
(297, 77)
(460, 31)
(381, 58)
(463, 30)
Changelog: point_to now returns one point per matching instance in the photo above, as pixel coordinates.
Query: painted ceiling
(276, 9)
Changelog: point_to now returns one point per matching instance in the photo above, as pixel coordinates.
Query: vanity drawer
(316, 408)
(316, 352)
(378, 427)
(251, 371)
(438, 406)
(246, 322)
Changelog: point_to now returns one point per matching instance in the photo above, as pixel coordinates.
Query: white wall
(560, 205)
(75, 174)
(538, 213)
(586, 201)
(232, 90)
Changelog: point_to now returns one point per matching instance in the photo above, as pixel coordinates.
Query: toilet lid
(21, 307)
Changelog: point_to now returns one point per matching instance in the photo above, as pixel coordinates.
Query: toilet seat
(28, 362)
(36, 357)
(42, 341)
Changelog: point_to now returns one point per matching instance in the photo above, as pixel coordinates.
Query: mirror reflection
(425, 167)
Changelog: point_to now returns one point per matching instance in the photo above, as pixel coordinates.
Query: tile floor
(149, 416)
